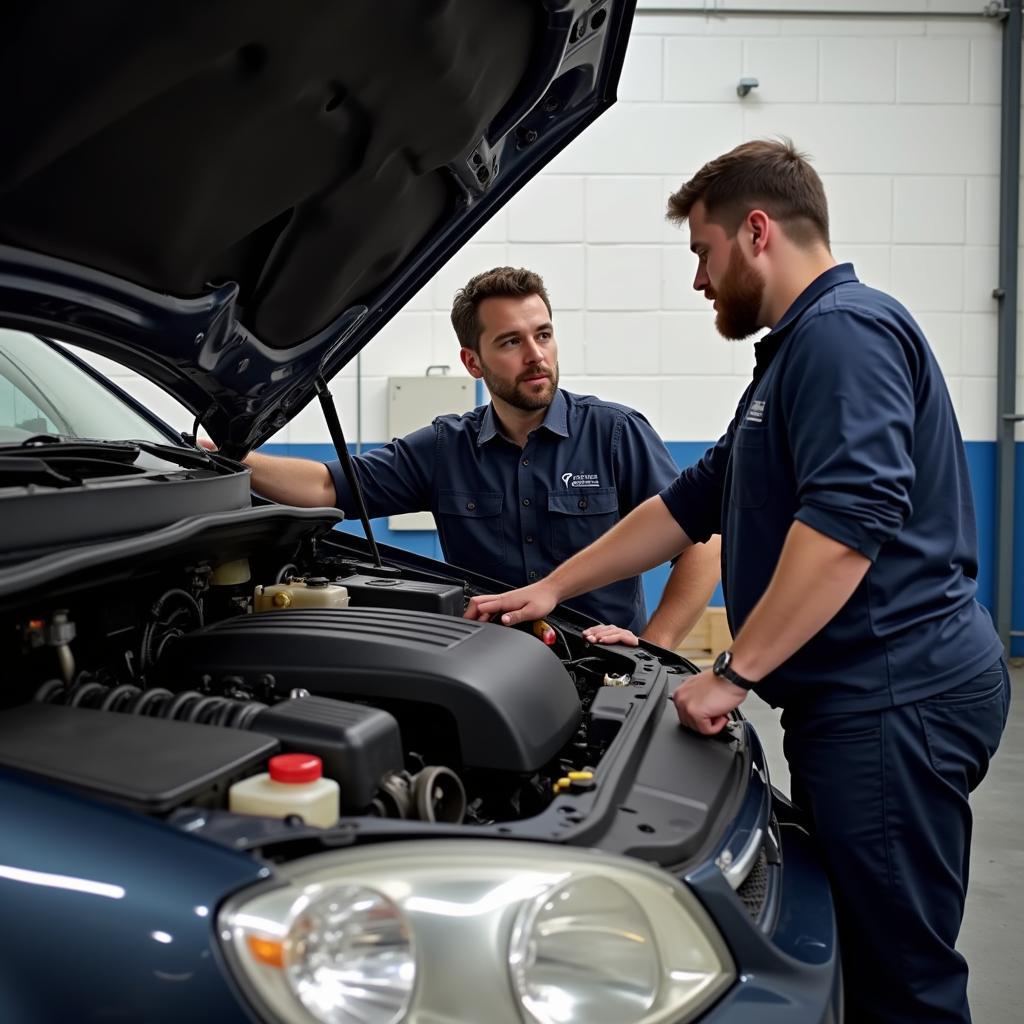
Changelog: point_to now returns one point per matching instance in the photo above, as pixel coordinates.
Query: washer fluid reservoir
(313, 592)
(293, 785)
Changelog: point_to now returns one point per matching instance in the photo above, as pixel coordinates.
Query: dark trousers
(886, 792)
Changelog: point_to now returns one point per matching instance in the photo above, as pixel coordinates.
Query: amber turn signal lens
(266, 951)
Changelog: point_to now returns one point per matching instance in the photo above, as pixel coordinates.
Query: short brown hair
(767, 174)
(501, 282)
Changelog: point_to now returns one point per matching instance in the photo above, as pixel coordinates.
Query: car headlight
(585, 951)
(437, 932)
(343, 951)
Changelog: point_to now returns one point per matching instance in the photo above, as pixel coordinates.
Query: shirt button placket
(527, 487)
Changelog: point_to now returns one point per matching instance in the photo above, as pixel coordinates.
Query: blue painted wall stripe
(981, 462)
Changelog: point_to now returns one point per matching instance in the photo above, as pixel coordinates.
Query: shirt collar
(556, 419)
(765, 349)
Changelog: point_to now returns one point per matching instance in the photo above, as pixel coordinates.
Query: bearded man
(850, 562)
(519, 485)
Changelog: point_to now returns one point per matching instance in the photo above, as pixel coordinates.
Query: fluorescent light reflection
(264, 925)
(516, 890)
(555, 1004)
(86, 885)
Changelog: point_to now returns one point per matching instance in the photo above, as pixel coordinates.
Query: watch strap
(721, 668)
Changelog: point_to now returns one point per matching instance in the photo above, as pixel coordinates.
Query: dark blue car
(232, 198)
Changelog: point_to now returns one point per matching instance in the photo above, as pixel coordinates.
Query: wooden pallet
(707, 639)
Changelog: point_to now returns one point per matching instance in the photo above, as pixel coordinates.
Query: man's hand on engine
(523, 605)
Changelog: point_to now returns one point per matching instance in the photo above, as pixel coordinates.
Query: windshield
(43, 392)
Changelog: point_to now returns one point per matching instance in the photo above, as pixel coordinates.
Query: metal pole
(347, 466)
(884, 9)
(1006, 293)
(359, 403)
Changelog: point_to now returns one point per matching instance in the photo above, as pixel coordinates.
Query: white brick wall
(858, 70)
(901, 118)
(928, 209)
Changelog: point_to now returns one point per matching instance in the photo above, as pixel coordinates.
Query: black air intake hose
(190, 706)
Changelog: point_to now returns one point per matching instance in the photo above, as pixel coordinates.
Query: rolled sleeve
(395, 478)
(849, 402)
(842, 529)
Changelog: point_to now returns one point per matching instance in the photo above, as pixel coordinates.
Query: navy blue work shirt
(848, 427)
(516, 513)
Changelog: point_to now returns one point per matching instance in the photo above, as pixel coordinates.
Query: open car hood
(233, 196)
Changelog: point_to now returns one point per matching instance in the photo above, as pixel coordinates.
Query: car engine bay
(156, 675)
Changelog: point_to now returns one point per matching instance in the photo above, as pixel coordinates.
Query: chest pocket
(749, 469)
(579, 517)
(471, 528)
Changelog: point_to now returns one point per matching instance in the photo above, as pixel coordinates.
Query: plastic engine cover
(513, 703)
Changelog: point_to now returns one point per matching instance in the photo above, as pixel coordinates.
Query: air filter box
(357, 744)
(150, 764)
(415, 595)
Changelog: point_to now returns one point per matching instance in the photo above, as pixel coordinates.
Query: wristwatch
(721, 668)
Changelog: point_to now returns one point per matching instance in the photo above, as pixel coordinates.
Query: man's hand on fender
(704, 701)
(610, 635)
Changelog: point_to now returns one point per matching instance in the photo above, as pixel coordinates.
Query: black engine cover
(513, 703)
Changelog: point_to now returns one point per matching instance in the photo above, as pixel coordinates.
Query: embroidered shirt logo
(581, 480)
(756, 412)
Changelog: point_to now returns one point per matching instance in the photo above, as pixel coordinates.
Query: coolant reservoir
(294, 785)
(229, 574)
(314, 592)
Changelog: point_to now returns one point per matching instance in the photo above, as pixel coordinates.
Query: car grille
(754, 889)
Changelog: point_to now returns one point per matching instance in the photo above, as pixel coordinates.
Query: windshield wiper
(50, 446)
(198, 458)
(39, 439)
(54, 448)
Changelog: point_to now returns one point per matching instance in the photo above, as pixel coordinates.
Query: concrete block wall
(901, 118)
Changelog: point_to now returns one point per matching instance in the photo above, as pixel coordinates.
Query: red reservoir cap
(296, 768)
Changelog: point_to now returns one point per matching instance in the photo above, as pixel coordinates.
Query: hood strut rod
(338, 438)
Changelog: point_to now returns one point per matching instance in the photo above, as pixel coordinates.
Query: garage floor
(992, 932)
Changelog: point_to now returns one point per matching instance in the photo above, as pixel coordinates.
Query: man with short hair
(841, 492)
(523, 483)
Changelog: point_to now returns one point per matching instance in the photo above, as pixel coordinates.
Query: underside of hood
(233, 196)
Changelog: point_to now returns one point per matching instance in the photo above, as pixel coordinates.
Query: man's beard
(739, 299)
(515, 395)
